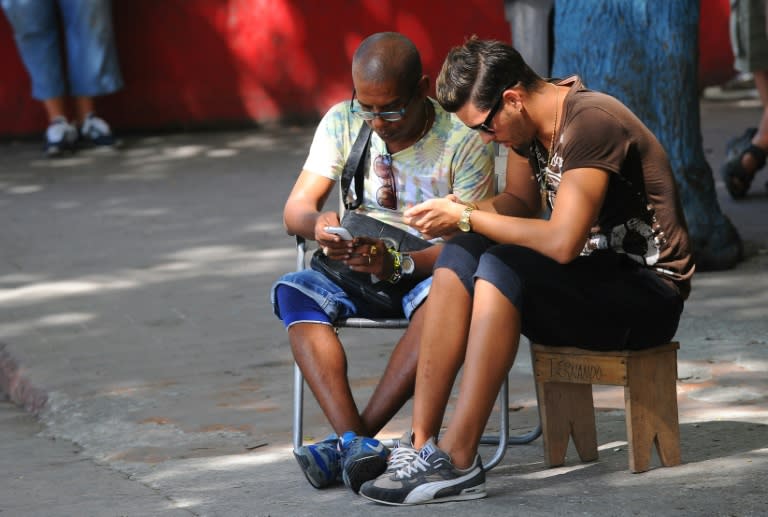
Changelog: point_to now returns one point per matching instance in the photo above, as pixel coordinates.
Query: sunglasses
(485, 126)
(389, 116)
(386, 195)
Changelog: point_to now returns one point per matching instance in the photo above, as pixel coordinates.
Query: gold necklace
(554, 126)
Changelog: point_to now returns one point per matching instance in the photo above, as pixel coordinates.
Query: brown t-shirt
(641, 215)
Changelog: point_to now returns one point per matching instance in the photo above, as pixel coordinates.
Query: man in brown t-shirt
(608, 267)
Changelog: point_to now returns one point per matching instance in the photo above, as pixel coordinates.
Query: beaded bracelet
(397, 266)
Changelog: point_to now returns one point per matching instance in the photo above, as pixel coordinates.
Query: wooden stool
(564, 378)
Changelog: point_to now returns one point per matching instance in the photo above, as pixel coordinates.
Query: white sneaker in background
(60, 137)
(96, 132)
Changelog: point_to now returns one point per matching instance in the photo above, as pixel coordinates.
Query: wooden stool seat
(564, 378)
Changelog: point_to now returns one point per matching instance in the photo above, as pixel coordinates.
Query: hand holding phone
(340, 231)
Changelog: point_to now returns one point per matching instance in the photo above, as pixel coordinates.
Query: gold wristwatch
(463, 223)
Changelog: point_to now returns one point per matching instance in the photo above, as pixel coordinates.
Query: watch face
(464, 224)
(408, 265)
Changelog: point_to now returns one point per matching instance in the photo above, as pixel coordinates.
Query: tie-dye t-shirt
(449, 158)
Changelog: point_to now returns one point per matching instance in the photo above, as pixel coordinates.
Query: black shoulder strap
(355, 168)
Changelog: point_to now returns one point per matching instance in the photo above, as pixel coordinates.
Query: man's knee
(294, 307)
(462, 255)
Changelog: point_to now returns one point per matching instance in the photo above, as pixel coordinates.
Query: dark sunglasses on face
(485, 126)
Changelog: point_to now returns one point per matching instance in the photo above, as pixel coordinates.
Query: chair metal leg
(503, 440)
(298, 407)
(503, 436)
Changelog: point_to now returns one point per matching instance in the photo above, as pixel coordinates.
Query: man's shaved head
(385, 57)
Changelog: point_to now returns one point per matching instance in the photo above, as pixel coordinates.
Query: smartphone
(340, 231)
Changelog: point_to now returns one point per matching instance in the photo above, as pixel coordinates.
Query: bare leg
(761, 137)
(761, 83)
(396, 384)
(441, 352)
(84, 106)
(321, 358)
(493, 340)
(55, 107)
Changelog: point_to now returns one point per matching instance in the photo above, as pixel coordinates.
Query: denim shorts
(91, 56)
(334, 301)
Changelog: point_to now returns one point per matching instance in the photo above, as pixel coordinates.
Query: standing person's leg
(36, 31)
(746, 154)
(93, 66)
(56, 108)
(83, 107)
(761, 137)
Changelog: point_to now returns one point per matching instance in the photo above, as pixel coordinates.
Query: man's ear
(424, 85)
(513, 97)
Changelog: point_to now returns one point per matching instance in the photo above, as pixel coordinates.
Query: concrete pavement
(136, 325)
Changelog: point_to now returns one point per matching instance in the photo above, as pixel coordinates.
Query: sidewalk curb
(17, 387)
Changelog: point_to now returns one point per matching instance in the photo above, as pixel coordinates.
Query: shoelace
(400, 457)
(416, 464)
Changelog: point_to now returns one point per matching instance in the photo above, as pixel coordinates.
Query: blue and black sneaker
(362, 459)
(321, 462)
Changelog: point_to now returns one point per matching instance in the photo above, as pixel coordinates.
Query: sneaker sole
(362, 470)
(477, 492)
(55, 151)
(304, 464)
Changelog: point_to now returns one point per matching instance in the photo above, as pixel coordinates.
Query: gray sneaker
(402, 454)
(429, 478)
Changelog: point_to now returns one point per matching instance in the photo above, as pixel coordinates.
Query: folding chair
(502, 440)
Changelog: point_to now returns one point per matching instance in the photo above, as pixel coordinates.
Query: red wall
(715, 54)
(205, 62)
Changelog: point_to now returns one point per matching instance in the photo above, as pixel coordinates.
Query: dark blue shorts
(603, 301)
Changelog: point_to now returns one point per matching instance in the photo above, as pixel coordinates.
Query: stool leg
(567, 410)
(650, 399)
